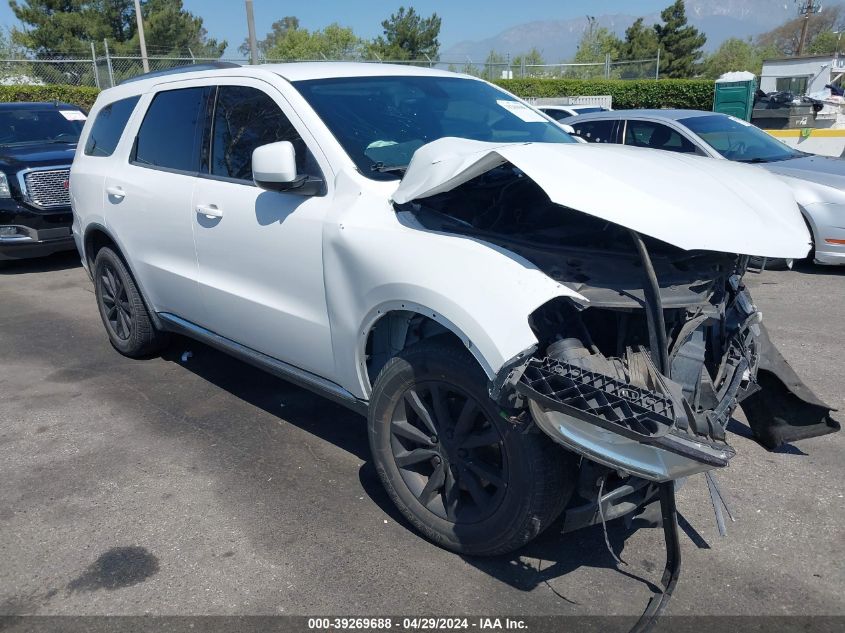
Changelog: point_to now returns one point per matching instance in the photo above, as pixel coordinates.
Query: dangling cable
(618, 560)
(672, 571)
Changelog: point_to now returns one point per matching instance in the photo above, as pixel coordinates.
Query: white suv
(532, 326)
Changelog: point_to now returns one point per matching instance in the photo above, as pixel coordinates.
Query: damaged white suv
(532, 326)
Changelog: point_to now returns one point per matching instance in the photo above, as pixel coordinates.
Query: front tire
(463, 474)
(125, 317)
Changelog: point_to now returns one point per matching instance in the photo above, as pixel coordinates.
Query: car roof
(38, 105)
(667, 115)
(302, 71)
(294, 71)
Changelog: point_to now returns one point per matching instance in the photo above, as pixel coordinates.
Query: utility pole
(250, 24)
(141, 38)
(805, 8)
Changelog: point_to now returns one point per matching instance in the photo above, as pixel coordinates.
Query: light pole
(141, 38)
(250, 24)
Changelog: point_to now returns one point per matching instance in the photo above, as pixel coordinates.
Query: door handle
(210, 210)
(116, 192)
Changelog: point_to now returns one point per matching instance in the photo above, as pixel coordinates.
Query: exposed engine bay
(640, 367)
(605, 380)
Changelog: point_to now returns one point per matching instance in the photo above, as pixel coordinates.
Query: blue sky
(462, 19)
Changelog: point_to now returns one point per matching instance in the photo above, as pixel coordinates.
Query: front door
(260, 252)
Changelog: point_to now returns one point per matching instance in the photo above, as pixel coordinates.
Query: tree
(640, 42)
(408, 36)
(783, 40)
(531, 58)
(65, 28)
(169, 29)
(825, 43)
(333, 42)
(278, 30)
(734, 54)
(494, 65)
(680, 43)
(596, 43)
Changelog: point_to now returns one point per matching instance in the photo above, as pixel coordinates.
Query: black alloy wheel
(448, 452)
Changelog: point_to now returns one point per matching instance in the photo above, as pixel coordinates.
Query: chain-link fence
(106, 70)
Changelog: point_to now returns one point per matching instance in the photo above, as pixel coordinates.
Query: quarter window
(246, 118)
(170, 135)
(108, 127)
(596, 131)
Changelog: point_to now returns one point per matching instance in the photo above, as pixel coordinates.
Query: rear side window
(246, 118)
(108, 127)
(657, 136)
(596, 131)
(170, 135)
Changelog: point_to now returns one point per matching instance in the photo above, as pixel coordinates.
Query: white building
(801, 75)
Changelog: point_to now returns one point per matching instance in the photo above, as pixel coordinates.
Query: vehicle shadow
(55, 262)
(553, 553)
(807, 267)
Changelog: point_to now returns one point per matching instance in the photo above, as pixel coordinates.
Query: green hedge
(82, 96)
(667, 93)
(694, 94)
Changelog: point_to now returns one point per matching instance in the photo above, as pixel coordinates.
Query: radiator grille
(48, 188)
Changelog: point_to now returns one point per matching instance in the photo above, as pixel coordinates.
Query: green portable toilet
(734, 94)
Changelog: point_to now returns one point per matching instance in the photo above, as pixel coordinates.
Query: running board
(280, 369)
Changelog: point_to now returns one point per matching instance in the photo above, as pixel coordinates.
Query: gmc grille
(47, 188)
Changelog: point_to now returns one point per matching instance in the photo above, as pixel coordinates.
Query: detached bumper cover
(780, 408)
(620, 425)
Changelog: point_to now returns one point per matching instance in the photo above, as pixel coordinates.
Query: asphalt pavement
(205, 486)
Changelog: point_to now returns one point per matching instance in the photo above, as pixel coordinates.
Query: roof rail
(190, 68)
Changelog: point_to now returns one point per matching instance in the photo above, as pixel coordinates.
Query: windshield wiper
(754, 161)
(382, 168)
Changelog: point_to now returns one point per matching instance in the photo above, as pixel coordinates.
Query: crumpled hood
(690, 202)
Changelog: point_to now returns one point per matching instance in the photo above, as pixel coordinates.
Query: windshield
(32, 127)
(382, 121)
(738, 140)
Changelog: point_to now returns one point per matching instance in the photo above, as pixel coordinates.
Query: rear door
(91, 162)
(597, 130)
(655, 135)
(148, 197)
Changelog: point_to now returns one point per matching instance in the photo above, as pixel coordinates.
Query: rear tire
(466, 477)
(124, 315)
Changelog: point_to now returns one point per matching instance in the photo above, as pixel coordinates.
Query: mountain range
(558, 39)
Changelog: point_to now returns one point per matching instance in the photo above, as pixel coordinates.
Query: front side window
(381, 121)
(246, 118)
(657, 136)
(738, 140)
(108, 127)
(19, 128)
(170, 134)
(596, 131)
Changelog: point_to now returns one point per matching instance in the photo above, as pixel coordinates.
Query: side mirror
(274, 168)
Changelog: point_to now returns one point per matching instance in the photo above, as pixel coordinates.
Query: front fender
(481, 292)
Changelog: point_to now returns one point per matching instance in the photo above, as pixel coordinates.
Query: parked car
(401, 240)
(37, 143)
(817, 182)
(561, 112)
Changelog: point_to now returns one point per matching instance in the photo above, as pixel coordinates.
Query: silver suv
(531, 325)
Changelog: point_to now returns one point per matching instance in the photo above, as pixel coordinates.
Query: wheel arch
(96, 237)
(395, 325)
